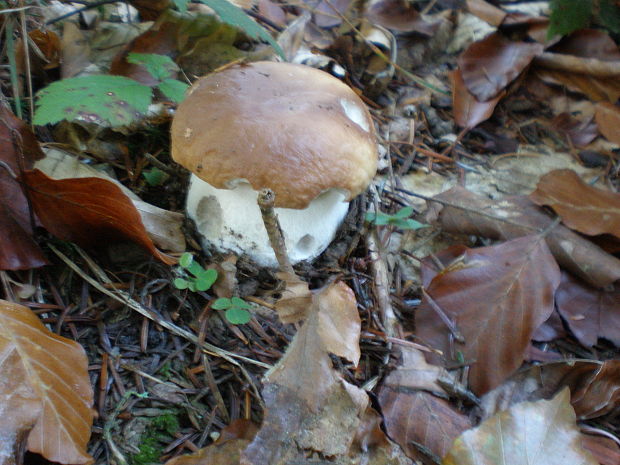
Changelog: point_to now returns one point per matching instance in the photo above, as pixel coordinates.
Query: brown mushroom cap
(276, 125)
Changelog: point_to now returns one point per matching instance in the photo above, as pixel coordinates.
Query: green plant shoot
(195, 278)
(236, 309)
(400, 219)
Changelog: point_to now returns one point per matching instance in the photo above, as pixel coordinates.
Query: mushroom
(293, 129)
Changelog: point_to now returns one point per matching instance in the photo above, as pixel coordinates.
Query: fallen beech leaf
(18, 250)
(150, 10)
(583, 208)
(225, 453)
(596, 79)
(88, 211)
(164, 227)
(607, 118)
(309, 406)
(490, 64)
(594, 386)
(398, 16)
(464, 212)
(296, 300)
(588, 43)
(542, 432)
(469, 112)
(605, 450)
(496, 297)
(589, 313)
(45, 384)
(329, 13)
(579, 132)
(486, 12)
(414, 416)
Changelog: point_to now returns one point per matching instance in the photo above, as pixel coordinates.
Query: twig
(445, 318)
(382, 285)
(266, 200)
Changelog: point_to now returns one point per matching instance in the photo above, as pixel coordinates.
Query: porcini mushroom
(293, 129)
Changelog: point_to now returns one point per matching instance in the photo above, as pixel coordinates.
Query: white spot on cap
(355, 114)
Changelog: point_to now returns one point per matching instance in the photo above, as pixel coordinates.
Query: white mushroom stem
(230, 219)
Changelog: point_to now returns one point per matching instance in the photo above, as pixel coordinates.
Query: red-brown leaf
(89, 211)
(469, 112)
(496, 297)
(490, 64)
(582, 207)
(413, 415)
(589, 313)
(18, 249)
(46, 392)
(607, 118)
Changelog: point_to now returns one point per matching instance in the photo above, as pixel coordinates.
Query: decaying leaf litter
(499, 136)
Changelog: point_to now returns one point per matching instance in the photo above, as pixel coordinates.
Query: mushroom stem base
(230, 220)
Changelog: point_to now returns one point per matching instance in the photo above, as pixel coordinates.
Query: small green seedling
(195, 277)
(236, 309)
(399, 219)
(155, 177)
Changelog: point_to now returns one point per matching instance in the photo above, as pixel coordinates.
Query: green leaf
(378, 218)
(610, 15)
(186, 260)
(102, 99)
(155, 176)
(181, 283)
(221, 304)
(237, 316)
(409, 224)
(181, 5)
(196, 269)
(568, 16)
(230, 14)
(206, 279)
(240, 303)
(173, 89)
(403, 212)
(161, 67)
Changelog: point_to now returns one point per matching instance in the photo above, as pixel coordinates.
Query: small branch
(266, 200)
(382, 285)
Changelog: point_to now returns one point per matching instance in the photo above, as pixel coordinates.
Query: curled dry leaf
(296, 300)
(607, 118)
(164, 227)
(542, 432)
(589, 313)
(18, 147)
(88, 211)
(309, 406)
(413, 415)
(469, 112)
(398, 16)
(463, 212)
(489, 65)
(582, 207)
(495, 297)
(486, 12)
(594, 386)
(604, 449)
(46, 392)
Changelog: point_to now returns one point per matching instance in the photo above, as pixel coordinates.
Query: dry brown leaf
(469, 112)
(589, 313)
(88, 211)
(486, 12)
(225, 453)
(596, 88)
(18, 147)
(607, 118)
(398, 16)
(496, 297)
(296, 300)
(582, 207)
(413, 416)
(604, 449)
(309, 406)
(542, 432)
(464, 212)
(45, 384)
(580, 132)
(490, 64)
(588, 43)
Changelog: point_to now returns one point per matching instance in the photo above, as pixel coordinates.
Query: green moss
(158, 433)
